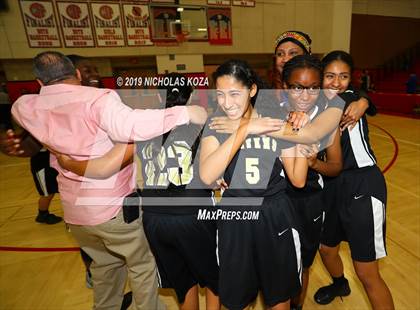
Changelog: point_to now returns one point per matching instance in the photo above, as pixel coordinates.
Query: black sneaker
(48, 218)
(326, 294)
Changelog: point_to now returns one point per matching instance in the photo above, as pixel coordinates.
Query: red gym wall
(375, 39)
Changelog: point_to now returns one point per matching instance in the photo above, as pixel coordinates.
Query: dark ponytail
(242, 72)
(177, 92)
(338, 56)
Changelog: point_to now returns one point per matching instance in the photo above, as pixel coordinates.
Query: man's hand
(10, 143)
(23, 145)
(197, 114)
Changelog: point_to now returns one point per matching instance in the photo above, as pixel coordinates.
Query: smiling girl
(292, 43)
(261, 254)
(302, 77)
(357, 213)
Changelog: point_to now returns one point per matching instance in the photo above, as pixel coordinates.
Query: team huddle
(297, 156)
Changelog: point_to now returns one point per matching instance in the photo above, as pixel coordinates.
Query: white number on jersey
(252, 172)
(182, 174)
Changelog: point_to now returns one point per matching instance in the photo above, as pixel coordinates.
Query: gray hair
(51, 67)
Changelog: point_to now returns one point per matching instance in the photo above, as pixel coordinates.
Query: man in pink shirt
(83, 122)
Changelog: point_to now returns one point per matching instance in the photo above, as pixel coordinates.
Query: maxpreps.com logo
(227, 215)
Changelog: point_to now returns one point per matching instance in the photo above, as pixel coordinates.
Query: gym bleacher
(389, 92)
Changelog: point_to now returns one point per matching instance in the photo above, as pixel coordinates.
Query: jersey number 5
(252, 173)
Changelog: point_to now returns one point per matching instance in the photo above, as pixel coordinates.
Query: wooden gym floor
(35, 279)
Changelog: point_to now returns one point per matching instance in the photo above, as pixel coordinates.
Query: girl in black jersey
(292, 43)
(303, 79)
(184, 246)
(357, 213)
(260, 253)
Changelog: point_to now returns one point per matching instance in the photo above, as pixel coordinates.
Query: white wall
(254, 30)
(193, 63)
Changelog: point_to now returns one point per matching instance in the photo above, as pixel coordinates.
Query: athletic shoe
(48, 218)
(326, 294)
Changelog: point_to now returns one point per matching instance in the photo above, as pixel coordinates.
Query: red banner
(162, 19)
(220, 26)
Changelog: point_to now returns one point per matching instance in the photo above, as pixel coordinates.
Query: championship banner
(137, 24)
(246, 3)
(162, 19)
(75, 23)
(163, 1)
(220, 26)
(107, 24)
(219, 2)
(40, 23)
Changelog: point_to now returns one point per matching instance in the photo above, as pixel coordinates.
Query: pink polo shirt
(83, 122)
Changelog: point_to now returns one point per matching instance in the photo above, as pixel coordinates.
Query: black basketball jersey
(357, 152)
(255, 170)
(170, 170)
(314, 180)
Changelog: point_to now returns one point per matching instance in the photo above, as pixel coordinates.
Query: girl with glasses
(302, 76)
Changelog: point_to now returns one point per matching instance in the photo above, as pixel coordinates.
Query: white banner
(137, 24)
(75, 24)
(40, 23)
(108, 24)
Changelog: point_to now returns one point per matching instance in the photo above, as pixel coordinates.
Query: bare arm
(215, 157)
(371, 110)
(313, 132)
(102, 167)
(296, 166)
(334, 164)
(354, 112)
